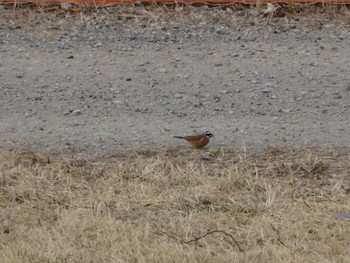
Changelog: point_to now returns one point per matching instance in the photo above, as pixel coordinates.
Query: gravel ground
(132, 77)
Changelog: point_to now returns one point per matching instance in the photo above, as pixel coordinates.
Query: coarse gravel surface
(133, 77)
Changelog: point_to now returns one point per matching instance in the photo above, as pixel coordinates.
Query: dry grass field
(174, 205)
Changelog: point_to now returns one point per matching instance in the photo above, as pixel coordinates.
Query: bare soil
(132, 77)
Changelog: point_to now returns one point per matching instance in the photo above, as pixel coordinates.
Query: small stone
(239, 13)
(76, 112)
(324, 111)
(217, 98)
(181, 114)
(67, 112)
(344, 35)
(142, 110)
(276, 30)
(344, 215)
(97, 45)
(328, 26)
(178, 95)
(253, 12)
(162, 70)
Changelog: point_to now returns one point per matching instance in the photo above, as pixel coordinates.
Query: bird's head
(208, 134)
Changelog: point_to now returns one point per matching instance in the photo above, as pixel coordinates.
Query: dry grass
(52, 21)
(176, 206)
(181, 11)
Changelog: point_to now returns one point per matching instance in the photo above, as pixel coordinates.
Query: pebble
(253, 12)
(76, 112)
(344, 215)
(19, 76)
(142, 110)
(344, 35)
(97, 45)
(217, 99)
(115, 67)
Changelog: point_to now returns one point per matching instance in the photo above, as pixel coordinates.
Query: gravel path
(114, 79)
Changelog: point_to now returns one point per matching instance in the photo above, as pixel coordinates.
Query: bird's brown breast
(198, 141)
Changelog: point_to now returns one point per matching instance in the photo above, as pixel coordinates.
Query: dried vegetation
(278, 205)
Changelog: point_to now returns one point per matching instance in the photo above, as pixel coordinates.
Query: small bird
(199, 140)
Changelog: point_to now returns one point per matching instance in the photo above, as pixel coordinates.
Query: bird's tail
(179, 137)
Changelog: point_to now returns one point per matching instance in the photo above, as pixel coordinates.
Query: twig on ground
(203, 236)
(278, 235)
(303, 198)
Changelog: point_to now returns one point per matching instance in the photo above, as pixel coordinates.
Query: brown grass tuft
(278, 205)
